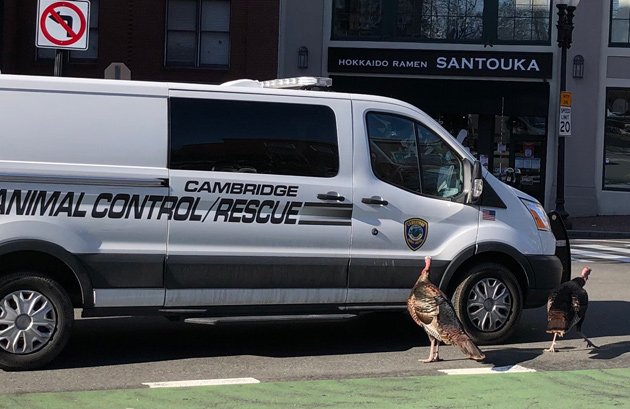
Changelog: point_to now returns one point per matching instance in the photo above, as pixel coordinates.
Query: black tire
(488, 318)
(55, 309)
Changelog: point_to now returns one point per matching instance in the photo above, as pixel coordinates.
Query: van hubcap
(27, 321)
(489, 304)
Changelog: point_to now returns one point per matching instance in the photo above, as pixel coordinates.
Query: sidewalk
(600, 227)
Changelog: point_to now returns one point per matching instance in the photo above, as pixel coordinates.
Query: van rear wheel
(489, 303)
(36, 318)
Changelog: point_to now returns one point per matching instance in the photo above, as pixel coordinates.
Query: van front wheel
(35, 320)
(489, 303)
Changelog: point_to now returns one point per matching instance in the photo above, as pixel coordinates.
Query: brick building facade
(135, 32)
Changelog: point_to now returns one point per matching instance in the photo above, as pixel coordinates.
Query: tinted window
(408, 20)
(198, 33)
(394, 151)
(616, 137)
(619, 23)
(524, 20)
(406, 154)
(453, 21)
(256, 137)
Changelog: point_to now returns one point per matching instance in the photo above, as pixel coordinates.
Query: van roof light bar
(298, 83)
(284, 83)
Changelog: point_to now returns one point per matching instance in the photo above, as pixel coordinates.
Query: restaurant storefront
(495, 103)
(465, 63)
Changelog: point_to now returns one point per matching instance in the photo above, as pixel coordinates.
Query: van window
(409, 155)
(255, 137)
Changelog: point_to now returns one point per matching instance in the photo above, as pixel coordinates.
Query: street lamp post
(566, 10)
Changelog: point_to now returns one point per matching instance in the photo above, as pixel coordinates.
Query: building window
(620, 23)
(616, 137)
(358, 18)
(89, 55)
(454, 21)
(253, 137)
(198, 33)
(523, 20)
(458, 21)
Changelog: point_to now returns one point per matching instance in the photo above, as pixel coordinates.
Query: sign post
(565, 114)
(62, 25)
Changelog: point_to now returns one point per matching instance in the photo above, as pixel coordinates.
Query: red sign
(63, 24)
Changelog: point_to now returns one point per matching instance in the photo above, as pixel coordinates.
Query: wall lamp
(303, 57)
(578, 66)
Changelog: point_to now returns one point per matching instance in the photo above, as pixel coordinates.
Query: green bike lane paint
(606, 388)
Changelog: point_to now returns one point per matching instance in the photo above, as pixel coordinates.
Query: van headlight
(538, 214)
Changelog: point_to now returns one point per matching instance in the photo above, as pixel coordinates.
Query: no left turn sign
(63, 24)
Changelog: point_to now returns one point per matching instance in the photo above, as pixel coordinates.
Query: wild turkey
(566, 308)
(431, 309)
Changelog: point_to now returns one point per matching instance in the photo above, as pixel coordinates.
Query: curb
(590, 234)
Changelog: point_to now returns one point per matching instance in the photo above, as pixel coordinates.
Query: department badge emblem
(416, 231)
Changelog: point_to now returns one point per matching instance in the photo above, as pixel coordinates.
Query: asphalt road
(124, 353)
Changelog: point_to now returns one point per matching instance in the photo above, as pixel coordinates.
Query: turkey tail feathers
(556, 325)
(468, 347)
(556, 322)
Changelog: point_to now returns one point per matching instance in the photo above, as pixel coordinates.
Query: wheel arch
(52, 260)
(499, 253)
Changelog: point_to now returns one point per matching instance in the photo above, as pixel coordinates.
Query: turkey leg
(434, 354)
(553, 344)
(589, 344)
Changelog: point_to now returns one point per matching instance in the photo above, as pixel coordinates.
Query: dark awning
(455, 96)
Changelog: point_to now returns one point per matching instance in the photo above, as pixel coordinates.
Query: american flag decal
(489, 215)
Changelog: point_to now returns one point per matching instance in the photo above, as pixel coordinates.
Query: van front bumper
(545, 275)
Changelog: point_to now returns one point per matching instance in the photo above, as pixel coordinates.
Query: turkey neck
(424, 278)
(580, 281)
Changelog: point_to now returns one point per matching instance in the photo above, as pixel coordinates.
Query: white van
(134, 198)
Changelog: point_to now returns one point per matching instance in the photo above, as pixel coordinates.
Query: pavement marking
(598, 250)
(613, 249)
(582, 255)
(624, 242)
(201, 382)
(607, 249)
(620, 241)
(488, 371)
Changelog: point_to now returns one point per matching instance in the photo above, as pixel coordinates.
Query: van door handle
(375, 200)
(331, 196)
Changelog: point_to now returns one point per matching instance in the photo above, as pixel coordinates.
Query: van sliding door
(268, 220)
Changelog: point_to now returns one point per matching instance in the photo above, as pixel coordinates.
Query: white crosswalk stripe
(616, 251)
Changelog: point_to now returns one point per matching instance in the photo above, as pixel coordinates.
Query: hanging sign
(63, 24)
(440, 62)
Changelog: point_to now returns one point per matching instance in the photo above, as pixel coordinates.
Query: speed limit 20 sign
(63, 24)
(565, 114)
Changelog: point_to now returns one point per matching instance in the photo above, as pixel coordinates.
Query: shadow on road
(610, 351)
(117, 341)
(603, 319)
(510, 356)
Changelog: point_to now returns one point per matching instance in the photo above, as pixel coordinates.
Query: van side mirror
(477, 183)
